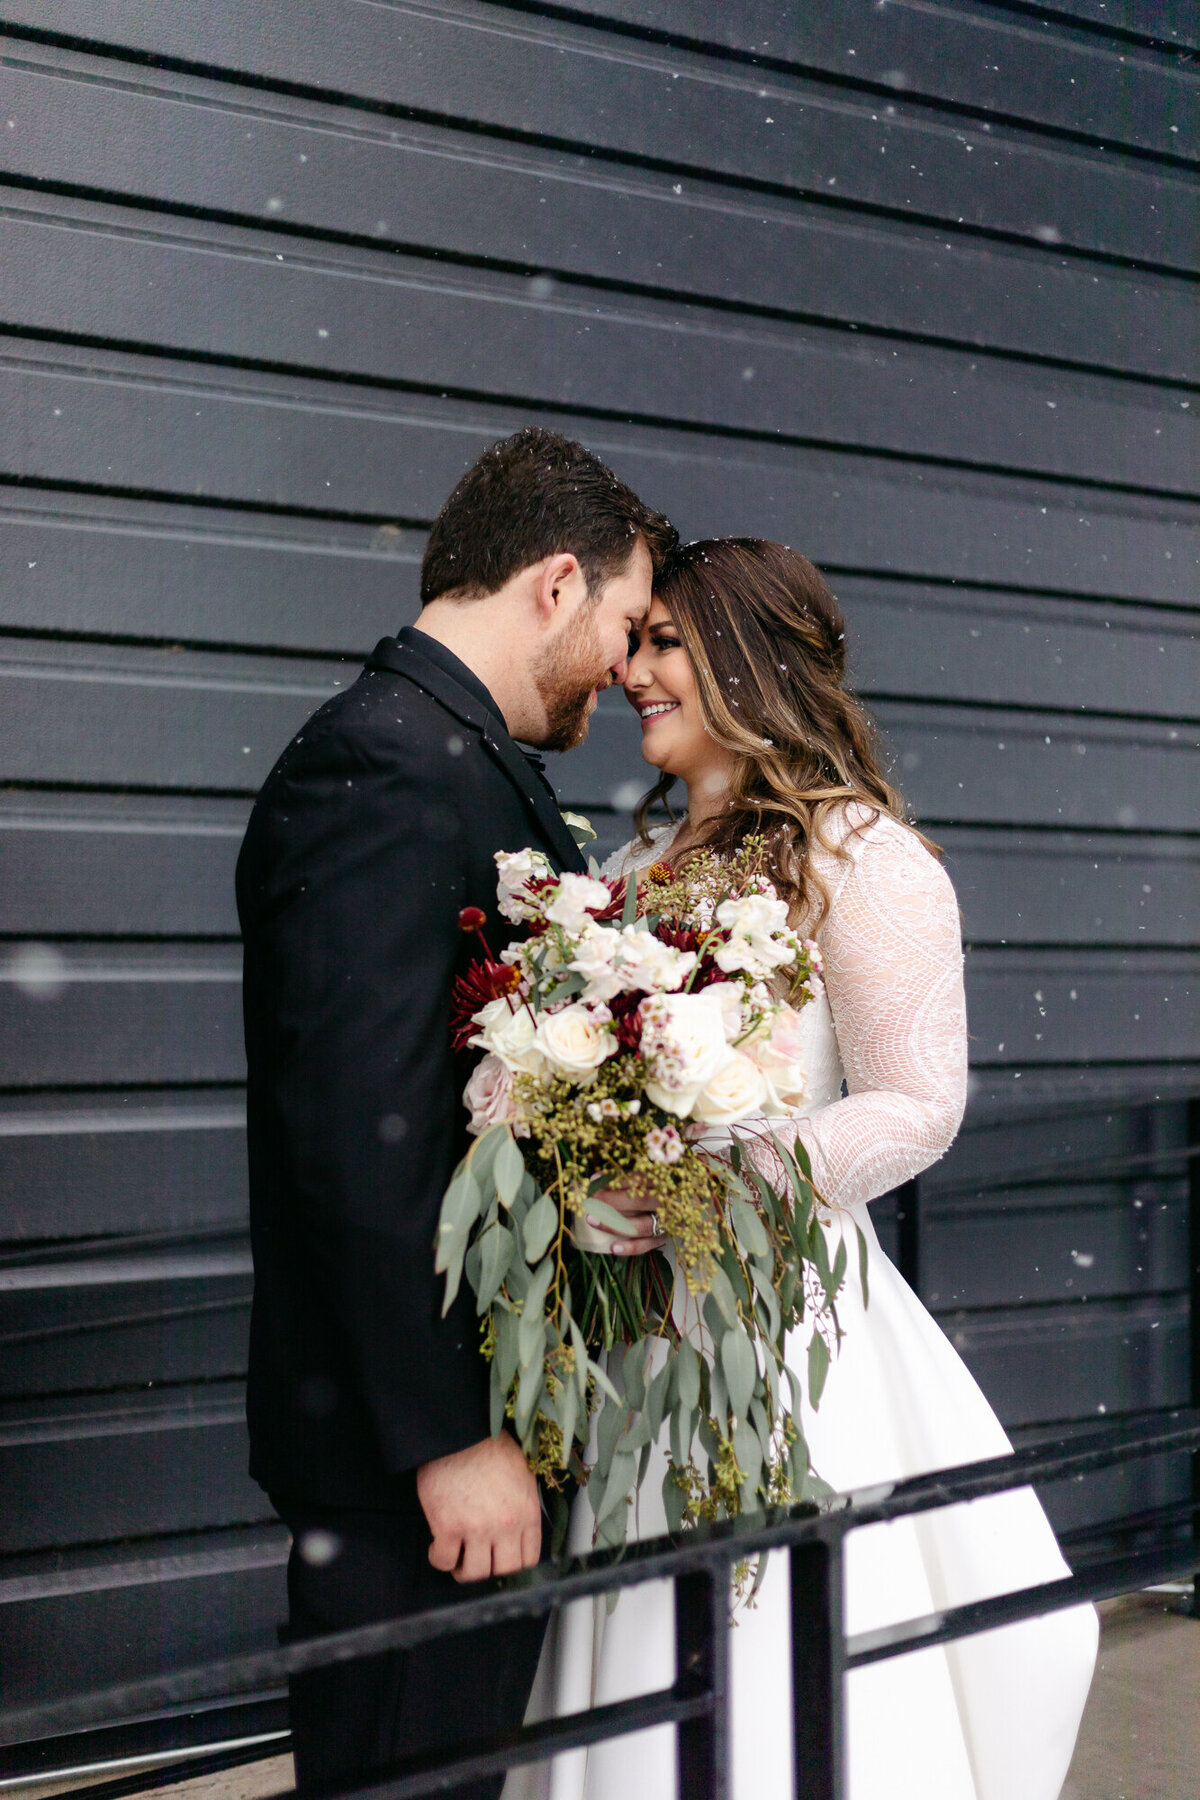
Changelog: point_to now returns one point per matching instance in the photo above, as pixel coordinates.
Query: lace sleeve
(893, 972)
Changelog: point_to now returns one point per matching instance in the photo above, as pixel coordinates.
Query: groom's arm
(360, 954)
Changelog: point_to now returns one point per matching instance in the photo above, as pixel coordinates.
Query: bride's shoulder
(862, 833)
(635, 854)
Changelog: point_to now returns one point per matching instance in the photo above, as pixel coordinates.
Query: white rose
(683, 1041)
(488, 1095)
(593, 959)
(647, 964)
(574, 1041)
(577, 897)
(515, 869)
(737, 1089)
(509, 1035)
(778, 1049)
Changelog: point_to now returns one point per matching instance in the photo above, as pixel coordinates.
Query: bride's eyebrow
(663, 625)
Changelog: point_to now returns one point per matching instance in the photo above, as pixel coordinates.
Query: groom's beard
(566, 677)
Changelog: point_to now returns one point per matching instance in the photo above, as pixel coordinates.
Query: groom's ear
(560, 587)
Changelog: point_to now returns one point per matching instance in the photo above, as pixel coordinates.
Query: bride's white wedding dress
(992, 1717)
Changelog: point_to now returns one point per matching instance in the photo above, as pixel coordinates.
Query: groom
(368, 1413)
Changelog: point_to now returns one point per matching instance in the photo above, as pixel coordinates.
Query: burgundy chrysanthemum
(482, 982)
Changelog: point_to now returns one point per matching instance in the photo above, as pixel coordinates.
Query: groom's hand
(483, 1510)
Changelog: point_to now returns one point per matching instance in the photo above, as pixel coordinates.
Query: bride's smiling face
(661, 686)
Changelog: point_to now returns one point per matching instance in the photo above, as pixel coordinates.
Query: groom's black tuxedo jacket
(377, 824)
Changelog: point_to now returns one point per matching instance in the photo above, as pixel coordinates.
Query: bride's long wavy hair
(766, 640)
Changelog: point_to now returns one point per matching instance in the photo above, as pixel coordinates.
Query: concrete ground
(1140, 1738)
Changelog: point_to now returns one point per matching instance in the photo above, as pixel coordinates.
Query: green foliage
(589, 1347)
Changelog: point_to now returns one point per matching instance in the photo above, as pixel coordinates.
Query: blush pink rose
(488, 1095)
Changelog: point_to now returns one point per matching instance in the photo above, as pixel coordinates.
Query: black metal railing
(700, 1565)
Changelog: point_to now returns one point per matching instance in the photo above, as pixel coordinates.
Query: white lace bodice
(892, 1017)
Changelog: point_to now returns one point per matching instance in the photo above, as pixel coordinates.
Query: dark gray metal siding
(912, 287)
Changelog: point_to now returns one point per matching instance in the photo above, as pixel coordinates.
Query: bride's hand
(590, 1232)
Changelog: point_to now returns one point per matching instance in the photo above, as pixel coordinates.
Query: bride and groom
(546, 580)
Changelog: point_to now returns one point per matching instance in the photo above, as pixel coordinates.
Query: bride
(737, 681)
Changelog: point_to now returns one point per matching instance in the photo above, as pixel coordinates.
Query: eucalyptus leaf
(688, 1376)
(818, 1368)
(529, 1392)
(621, 1478)
(629, 906)
(633, 1376)
(657, 1396)
(769, 1299)
(497, 1247)
(505, 1361)
(719, 1395)
(604, 1214)
(839, 1267)
(600, 1375)
(608, 1430)
(509, 1170)
(762, 1425)
(497, 1402)
(481, 1157)
(749, 1227)
(748, 1451)
(541, 1223)
(674, 1503)
(473, 1264)
(570, 1418)
(723, 1294)
(531, 1335)
(862, 1261)
(740, 1369)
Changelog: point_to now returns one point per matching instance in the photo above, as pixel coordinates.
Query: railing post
(818, 1673)
(702, 1659)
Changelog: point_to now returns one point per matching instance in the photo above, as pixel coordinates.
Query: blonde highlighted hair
(766, 640)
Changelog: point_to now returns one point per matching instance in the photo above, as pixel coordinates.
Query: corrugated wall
(909, 286)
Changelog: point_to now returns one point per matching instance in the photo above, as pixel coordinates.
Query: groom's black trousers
(352, 1721)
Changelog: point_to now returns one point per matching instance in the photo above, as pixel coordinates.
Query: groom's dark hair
(528, 497)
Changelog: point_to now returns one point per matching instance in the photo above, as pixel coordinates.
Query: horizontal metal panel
(101, 716)
(99, 1165)
(951, 643)
(128, 1335)
(1072, 888)
(173, 1015)
(1079, 1360)
(1177, 24)
(1073, 1245)
(971, 54)
(136, 421)
(993, 766)
(171, 1462)
(515, 208)
(114, 865)
(176, 573)
(1078, 1006)
(230, 1603)
(175, 138)
(124, 1016)
(98, 865)
(236, 578)
(1057, 1138)
(962, 767)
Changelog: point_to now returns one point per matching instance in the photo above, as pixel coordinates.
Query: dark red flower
(472, 918)
(627, 1020)
(483, 981)
(608, 915)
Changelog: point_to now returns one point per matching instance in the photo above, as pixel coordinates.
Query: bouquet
(623, 1035)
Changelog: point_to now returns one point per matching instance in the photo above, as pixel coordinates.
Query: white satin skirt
(992, 1717)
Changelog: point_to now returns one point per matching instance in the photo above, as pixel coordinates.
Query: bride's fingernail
(591, 1221)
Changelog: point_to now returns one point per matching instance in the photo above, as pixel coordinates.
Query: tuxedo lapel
(405, 659)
